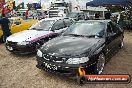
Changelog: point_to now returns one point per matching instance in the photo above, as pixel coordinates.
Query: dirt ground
(21, 72)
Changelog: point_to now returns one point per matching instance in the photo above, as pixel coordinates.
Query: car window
(72, 15)
(17, 22)
(68, 22)
(58, 25)
(109, 28)
(81, 16)
(116, 29)
(119, 28)
(43, 25)
(86, 16)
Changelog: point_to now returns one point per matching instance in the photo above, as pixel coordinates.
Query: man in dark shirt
(5, 25)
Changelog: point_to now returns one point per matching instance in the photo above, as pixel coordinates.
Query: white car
(28, 41)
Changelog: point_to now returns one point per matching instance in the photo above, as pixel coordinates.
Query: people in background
(97, 15)
(5, 25)
(115, 18)
(107, 15)
(26, 14)
(44, 14)
(23, 14)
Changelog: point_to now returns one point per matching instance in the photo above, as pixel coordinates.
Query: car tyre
(99, 67)
(81, 80)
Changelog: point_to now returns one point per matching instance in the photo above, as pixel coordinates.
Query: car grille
(54, 58)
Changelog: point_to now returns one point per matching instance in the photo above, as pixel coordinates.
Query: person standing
(107, 15)
(26, 14)
(5, 25)
(97, 15)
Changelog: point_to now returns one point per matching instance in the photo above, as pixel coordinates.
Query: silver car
(28, 41)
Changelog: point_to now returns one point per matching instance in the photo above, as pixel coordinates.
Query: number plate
(9, 48)
(49, 66)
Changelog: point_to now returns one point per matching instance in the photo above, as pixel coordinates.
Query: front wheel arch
(104, 62)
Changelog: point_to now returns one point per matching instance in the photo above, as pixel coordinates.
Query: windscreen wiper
(76, 35)
(91, 36)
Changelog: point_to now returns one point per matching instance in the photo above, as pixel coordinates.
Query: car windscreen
(86, 29)
(72, 15)
(44, 25)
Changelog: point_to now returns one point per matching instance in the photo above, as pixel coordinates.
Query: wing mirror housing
(110, 35)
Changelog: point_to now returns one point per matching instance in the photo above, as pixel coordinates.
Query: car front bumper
(21, 49)
(61, 69)
(71, 71)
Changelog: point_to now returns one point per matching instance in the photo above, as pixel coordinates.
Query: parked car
(17, 25)
(78, 15)
(28, 41)
(85, 45)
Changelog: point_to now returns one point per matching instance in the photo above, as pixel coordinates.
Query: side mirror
(111, 34)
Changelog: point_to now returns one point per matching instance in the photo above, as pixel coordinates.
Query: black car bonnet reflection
(71, 46)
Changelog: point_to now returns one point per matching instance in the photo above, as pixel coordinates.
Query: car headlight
(23, 43)
(77, 60)
(39, 53)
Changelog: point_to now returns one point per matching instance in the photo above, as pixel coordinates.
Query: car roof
(54, 18)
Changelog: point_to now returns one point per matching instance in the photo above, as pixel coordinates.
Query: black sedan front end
(57, 66)
(60, 65)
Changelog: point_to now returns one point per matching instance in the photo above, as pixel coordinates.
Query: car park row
(64, 45)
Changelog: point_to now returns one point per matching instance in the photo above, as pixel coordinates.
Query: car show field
(18, 71)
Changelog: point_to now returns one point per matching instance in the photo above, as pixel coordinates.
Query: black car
(84, 48)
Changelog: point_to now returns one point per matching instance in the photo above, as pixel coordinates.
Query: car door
(58, 27)
(110, 41)
(68, 22)
(117, 35)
